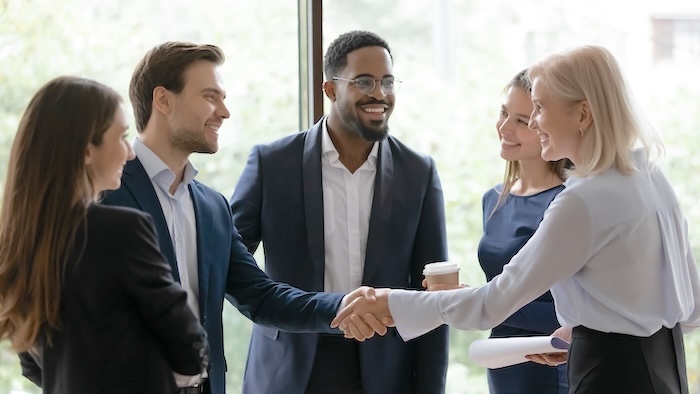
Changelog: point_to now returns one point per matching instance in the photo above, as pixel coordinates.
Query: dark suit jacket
(278, 200)
(125, 323)
(226, 267)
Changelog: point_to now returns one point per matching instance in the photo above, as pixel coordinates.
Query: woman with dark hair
(512, 211)
(85, 295)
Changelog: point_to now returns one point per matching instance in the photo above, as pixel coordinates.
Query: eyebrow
(503, 108)
(372, 76)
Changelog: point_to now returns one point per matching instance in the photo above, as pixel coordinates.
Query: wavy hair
(591, 74)
(45, 201)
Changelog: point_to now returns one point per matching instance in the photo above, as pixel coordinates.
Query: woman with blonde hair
(613, 247)
(85, 295)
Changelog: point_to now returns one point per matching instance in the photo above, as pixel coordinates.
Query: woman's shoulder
(493, 192)
(110, 215)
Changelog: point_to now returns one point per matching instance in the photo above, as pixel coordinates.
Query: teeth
(509, 143)
(374, 110)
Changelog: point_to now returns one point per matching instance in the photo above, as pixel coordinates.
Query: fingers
(374, 324)
(369, 293)
(551, 359)
(388, 321)
(564, 333)
(341, 316)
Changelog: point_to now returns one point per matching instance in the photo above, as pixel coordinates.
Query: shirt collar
(157, 170)
(329, 150)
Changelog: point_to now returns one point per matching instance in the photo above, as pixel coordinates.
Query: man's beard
(193, 142)
(353, 122)
(372, 134)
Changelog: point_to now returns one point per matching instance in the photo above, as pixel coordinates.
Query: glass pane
(104, 40)
(455, 57)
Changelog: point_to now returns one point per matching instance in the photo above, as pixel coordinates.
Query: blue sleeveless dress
(505, 232)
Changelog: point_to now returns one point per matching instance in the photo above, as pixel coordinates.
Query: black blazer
(125, 323)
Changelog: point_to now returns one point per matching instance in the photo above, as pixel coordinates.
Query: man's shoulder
(401, 150)
(286, 143)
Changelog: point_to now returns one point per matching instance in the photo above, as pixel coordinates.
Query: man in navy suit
(178, 99)
(337, 206)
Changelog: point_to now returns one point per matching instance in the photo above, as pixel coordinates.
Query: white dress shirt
(179, 215)
(347, 204)
(614, 250)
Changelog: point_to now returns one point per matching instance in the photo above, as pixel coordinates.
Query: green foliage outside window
(453, 56)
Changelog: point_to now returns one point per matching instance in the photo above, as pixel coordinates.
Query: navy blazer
(279, 201)
(226, 267)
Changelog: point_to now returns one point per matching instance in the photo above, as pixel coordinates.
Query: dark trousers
(336, 368)
(602, 363)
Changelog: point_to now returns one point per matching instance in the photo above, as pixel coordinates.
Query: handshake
(367, 311)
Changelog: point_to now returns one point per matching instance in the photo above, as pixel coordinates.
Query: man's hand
(365, 315)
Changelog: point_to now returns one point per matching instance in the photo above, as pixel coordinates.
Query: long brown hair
(45, 201)
(513, 171)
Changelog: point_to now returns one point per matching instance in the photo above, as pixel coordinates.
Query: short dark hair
(165, 65)
(336, 56)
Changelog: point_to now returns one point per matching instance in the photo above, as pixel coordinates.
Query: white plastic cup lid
(440, 268)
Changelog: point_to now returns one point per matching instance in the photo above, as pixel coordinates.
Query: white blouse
(614, 250)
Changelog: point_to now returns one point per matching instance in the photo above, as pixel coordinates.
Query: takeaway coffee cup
(442, 272)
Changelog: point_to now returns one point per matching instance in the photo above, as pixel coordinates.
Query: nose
(130, 155)
(532, 124)
(502, 126)
(377, 88)
(223, 112)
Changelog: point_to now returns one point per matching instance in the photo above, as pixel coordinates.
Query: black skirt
(601, 363)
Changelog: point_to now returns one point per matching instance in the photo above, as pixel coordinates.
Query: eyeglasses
(366, 85)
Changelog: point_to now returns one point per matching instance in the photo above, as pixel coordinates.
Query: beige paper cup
(442, 272)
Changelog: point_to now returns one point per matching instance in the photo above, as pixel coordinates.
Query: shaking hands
(366, 313)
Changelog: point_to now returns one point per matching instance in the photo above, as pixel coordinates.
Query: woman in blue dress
(512, 212)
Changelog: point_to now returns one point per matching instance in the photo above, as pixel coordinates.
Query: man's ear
(161, 99)
(329, 89)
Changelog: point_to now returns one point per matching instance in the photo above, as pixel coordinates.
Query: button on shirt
(613, 248)
(179, 215)
(347, 204)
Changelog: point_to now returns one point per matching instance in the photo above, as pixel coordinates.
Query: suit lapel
(379, 220)
(137, 182)
(205, 245)
(313, 199)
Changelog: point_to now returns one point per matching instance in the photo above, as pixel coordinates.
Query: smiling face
(365, 115)
(106, 161)
(198, 110)
(557, 123)
(518, 141)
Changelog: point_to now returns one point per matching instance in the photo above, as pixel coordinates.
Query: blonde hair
(591, 74)
(45, 201)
